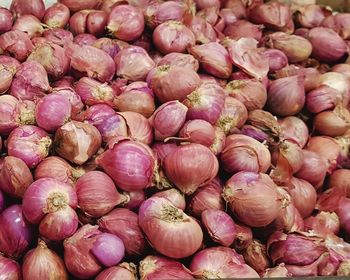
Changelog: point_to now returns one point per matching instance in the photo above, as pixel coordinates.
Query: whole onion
(58, 36)
(173, 36)
(206, 102)
(178, 241)
(154, 267)
(126, 22)
(243, 28)
(203, 31)
(340, 179)
(277, 59)
(110, 46)
(15, 176)
(227, 264)
(97, 194)
(124, 224)
(74, 99)
(56, 16)
(8, 69)
(332, 123)
(44, 262)
(17, 44)
(199, 131)
(179, 59)
(174, 196)
(294, 130)
(29, 143)
(253, 198)
(10, 269)
(339, 82)
(172, 82)
(52, 111)
(22, 7)
(122, 271)
(29, 24)
(338, 22)
(279, 103)
(130, 164)
(191, 166)
(6, 20)
(256, 256)
(243, 153)
(16, 233)
(77, 141)
(133, 63)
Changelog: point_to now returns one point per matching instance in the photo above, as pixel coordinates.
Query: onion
(44, 262)
(203, 31)
(323, 223)
(277, 59)
(243, 153)
(125, 22)
(163, 149)
(202, 4)
(124, 224)
(294, 130)
(17, 44)
(25, 87)
(279, 103)
(327, 45)
(154, 267)
(134, 199)
(56, 16)
(58, 36)
(190, 167)
(172, 82)
(227, 264)
(77, 141)
(343, 214)
(74, 99)
(174, 196)
(332, 123)
(310, 16)
(206, 103)
(6, 20)
(136, 97)
(254, 208)
(29, 143)
(277, 271)
(84, 39)
(15, 176)
(133, 63)
(339, 82)
(199, 131)
(123, 271)
(22, 7)
(175, 242)
(110, 46)
(130, 164)
(10, 269)
(173, 36)
(340, 179)
(29, 24)
(244, 237)
(16, 233)
(256, 256)
(243, 28)
(179, 59)
(97, 194)
(52, 111)
(8, 68)
(339, 23)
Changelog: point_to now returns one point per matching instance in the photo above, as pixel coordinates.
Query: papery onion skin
(198, 131)
(6, 20)
(9, 269)
(123, 271)
(56, 16)
(323, 223)
(322, 98)
(179, 59)
(277, 271)
(124, 224)
(17, 44)
(243, 28)
(44, 262)
(9, 67)
(157, 212)
(29, 24)
(22, 7)
(332, 123)
(244, 237)
(295, 130)
(174, 196)
(203, 31)
(256, 256)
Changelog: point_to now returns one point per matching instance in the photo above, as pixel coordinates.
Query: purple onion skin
(6, 20)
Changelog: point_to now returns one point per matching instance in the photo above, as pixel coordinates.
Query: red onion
(339, 82)
(327, 45)
(244, 237)
(31, 81)
(29, 143)
(256, 256)
(277, 271)
(243, 153)
(112, 126)
(22, 7)
(340, 179)
(126, 22)
(254, 208)
(227, 264)
(175, 242)
(173, 36)
(29, 24)
(131, 164)
(332, 123)
(343, 214)
(233, 115)
(133, 63)
(203, 31)
(180, 59)
(172, 82)
(52, 111)
(17, 44)
(10, 269)
(124, 224)
(243, 28)
(76, 5)
(96, 22)
(44, 262)
(77, 141)
(154, 267)
(96, 63)
(174, 196)
(97, 194)
(198, 131)
(310, 16)
(294, 130)
(74, 99)
(163, 149)
(323, 223)
(123, 271)
(134, 199)
(136, 97)
(16, 233)
(15, 176)
(277, 59)
(190, 167)
(338, 22)
(56, 16)
(8, 68)
(6, 20)
(110, 46)
(279, 103)
(250, 92)
(58, 36)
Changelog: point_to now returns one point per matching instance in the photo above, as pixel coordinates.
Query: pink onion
(203, 31)
(134, 199)
(219, 225)
(31, 81)
(173, 36)
(8, 68)
(175, 242)
(56, 16)
(332, 123)
(256, 256)
(172, 82)
(110, 46)
(191, 166)
(295, 130)
(97, 194)
(323, 223)
(310, 16)
(244, 237)
(22, 7)
(133, 63)
(58, 36)
(29, 24)
(16, 233)
(242, 195)
(126, 22)
(198, 131)
(110, 126)
(277, 59)
(123, 271)
(277, 271)
(10, 269)
(179, 59)
(96, 22)
(15, 176)
(340, 179)
(337, 81)
(29, 143)
(124, 224)
(74, 99)
(174, 196)
(202, 4)
(17, 44)
(243, 28)
(76, 5)
(6, 20)
(227, 264)
(343, 214)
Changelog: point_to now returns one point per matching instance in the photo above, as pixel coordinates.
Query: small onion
(44, 262)
(203, 31)
(339, 23)
(175, 242)
(295, 130)
(243, 28)
(198, 131)
(179, 59)
(9, 269)
(332, 123)
(74, 99)
(17, 44)
(58, 36)
(29, 24)
(8, 68)
(310, 16)
(76, 5)
(337, 81)
(343, 214)
(277, 59)
(56, 16)
(110, 46)
(6, 20)
(22, 7)
(244, 237)
(256, 256)
(174, 196)
(123, 271)
(340, 179)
